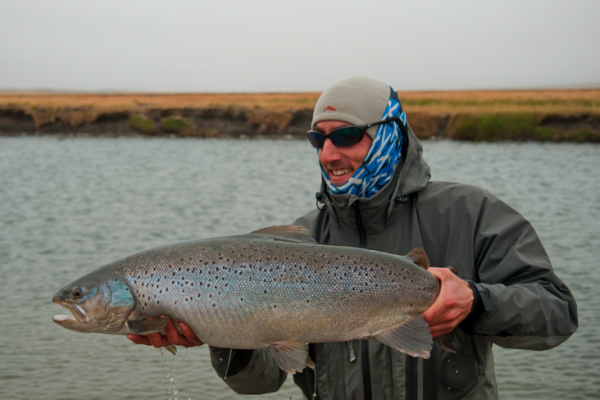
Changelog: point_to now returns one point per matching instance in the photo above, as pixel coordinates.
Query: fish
(274, 288)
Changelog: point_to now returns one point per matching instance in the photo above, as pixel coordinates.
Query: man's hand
(452, 305)
(186, 338)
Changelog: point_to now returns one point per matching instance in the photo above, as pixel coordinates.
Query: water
(70, 205)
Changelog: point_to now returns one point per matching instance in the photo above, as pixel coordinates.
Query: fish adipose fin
(411, 336)
(288, 233)
(145, 326)
(420, 258)
(291, 357)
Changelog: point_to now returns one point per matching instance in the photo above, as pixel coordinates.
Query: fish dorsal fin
(420, 258)
(293, 233)
(411, 336)
(291, 357)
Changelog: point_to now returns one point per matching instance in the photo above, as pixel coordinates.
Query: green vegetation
(584, 136)
(177, 125)
(142, 124)
(514, 127)
(495, 127)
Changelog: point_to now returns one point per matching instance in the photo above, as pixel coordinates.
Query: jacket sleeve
(248, 371)
(528, 306)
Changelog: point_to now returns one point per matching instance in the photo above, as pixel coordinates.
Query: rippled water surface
(70, 205)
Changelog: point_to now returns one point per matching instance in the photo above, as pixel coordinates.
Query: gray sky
(278, 45)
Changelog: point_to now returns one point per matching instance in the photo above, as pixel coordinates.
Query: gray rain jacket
(520, 302)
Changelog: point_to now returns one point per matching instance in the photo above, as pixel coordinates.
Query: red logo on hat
(329, 108)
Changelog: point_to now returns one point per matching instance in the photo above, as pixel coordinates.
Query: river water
(69, 205)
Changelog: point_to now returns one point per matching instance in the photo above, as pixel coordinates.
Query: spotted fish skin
(251, 291)
(259, 290)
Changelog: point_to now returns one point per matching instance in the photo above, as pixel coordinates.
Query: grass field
(544, 115)
(572, 101)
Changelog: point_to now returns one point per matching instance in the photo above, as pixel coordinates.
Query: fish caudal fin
(145, 326)
(411, 336)
(291, 357)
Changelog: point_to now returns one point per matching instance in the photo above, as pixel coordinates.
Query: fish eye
(77, 292)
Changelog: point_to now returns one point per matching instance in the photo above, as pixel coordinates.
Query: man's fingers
(137, 339)
(174, 336)
(186, 338)
(158, 340)
(189, 334)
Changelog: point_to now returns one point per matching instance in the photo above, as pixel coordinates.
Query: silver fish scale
(251, 291)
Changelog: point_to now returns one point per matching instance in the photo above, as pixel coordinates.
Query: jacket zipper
(366, 368)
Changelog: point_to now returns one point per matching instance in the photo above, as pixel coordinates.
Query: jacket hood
(411, 176)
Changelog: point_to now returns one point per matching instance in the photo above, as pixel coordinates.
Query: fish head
(100, 301)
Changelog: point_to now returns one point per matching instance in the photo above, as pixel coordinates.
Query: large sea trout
(274, 288)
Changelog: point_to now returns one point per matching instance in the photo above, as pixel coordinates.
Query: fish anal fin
(411, 336)
(291, 357)
(446, 342)
(146, 326)
(419, 257)
(294, 233)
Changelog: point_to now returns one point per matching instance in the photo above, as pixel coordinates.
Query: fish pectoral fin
(446, 342)
(411, 336)
(287, 233)
(171, 349)
(291, 357)
(145, 326)
(419, 257)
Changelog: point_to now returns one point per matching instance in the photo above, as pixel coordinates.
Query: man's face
(340, 163)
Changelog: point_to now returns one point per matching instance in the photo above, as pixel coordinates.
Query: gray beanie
(356, 100)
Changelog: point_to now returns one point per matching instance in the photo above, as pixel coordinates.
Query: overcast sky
(284, 45)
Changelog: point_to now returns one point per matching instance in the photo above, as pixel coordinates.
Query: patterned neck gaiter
(380, 162)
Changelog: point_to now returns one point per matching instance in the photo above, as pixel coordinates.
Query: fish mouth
(78, 315)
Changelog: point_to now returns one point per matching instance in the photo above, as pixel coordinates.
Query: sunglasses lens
(316, 139)
(345, 137)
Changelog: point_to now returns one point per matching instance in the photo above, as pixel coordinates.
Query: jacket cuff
(481, 305)
(238, 362)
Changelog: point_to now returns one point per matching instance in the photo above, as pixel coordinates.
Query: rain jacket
(519, 302)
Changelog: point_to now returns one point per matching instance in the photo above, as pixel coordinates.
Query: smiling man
(376, 193)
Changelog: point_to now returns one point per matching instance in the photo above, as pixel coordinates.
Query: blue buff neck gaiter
(380, 162)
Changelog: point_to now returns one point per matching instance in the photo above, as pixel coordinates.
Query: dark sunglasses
(346, 135)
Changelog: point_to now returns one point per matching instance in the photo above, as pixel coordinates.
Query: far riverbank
(538, 115)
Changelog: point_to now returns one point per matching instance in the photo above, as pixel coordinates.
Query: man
(376, 194)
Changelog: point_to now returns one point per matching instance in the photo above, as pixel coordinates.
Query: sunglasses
(346, 135)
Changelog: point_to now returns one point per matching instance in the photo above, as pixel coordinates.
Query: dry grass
(573, 101)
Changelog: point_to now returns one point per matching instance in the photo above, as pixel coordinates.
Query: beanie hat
(357, 100)
(361, 100)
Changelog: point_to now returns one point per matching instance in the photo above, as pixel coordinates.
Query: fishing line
(225, 376)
